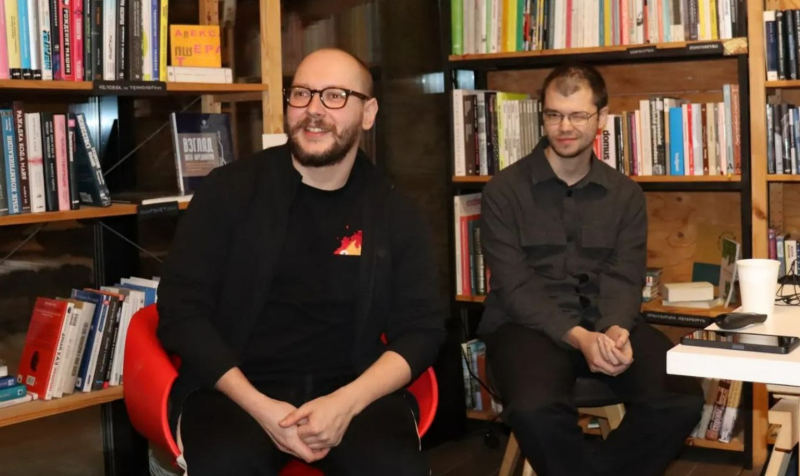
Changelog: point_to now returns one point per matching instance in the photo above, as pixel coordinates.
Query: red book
(62, 162)
(76, 32)
(38, 366)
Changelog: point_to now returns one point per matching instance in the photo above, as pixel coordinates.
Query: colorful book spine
(12, 38)
(67, 55)
(35, 38)
(22, 157)
(109, 40)
(62, 161)
(35, 162)
(46, 37)
(10, 156)
(24, 39)
(55, 39)
(76, 32)
(154, 35)
(162, 38)
(5, 73)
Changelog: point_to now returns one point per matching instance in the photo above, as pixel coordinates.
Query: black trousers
(535, 378)
(220, 439)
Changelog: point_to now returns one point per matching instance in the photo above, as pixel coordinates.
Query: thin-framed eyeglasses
(552, 118)
(332, 98)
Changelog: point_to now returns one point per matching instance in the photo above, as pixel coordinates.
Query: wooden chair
(592, 397)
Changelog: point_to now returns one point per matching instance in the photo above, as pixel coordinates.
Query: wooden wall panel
(679, 221)
(780, 4)
(791, 209)
(646, 79)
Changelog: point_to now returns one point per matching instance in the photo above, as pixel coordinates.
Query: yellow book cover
(162, 41)
(13, 38)
(511, 26)
(608, 34)
(713, 11)
(195, 45)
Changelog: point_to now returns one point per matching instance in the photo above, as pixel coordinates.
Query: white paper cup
(757, 280)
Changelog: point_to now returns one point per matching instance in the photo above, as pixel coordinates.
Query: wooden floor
(470, 456)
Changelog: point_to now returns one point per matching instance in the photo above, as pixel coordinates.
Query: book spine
(134, 12)
(162, 38)
(24, 39)
(50, 174)
(98, 181)
(154, 35)
(88, 61)
(12, 39)
(109, 40)
(122, 39)
(67, 54)
(736, 129)
(76, 32)
(62, 165)
(46, 40)
(35, 38)
(33, 131)
(780, 24)
(104, 353)
(55, 39)
(12, 171)
(24, 182)
(4, 67)
(98, 40)
(3, 189)
(74, 195)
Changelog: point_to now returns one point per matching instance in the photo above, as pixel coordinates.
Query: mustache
(318, 123)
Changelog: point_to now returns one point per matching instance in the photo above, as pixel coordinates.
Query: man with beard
(565, 238)
(286, 272)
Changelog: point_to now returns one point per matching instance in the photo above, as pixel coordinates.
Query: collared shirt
(560, 256)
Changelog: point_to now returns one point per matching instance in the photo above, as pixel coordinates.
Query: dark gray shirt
(562, 256)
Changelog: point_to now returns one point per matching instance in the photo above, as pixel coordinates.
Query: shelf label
(158, 88)
(157, 210)
(642, 51)
(705, 48)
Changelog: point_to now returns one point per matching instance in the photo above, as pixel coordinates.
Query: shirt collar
(541, 171)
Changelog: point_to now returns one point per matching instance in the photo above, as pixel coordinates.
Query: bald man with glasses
(286, 271)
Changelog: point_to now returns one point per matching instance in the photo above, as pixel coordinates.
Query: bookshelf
(682, 210)
(111, 254)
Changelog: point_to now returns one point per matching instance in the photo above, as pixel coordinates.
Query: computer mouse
(737, 320)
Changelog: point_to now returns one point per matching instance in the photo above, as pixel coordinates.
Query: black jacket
(224, 254)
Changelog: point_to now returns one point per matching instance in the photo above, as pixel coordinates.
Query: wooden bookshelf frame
(41, 409)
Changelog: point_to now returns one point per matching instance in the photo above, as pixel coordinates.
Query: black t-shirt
(308, 322)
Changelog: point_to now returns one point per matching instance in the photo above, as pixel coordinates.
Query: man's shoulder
(621, 183)
(266, 160)
(510, 178)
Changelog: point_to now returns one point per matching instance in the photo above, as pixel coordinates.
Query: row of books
(49, 163)
(500, 26)
(494, 129)
(783, 247)
(12, 392)
(670, 136)
(782, 44)
(78, 40)
(78, 343)
(783, 138)
(472, 275)
(473, 364)
(720, 413)
(355, 29)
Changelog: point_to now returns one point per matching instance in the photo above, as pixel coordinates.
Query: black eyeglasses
(332, 98)
(552, 118)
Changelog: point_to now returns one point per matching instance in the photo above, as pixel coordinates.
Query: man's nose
(315, 107)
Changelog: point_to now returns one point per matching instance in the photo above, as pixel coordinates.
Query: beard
(343, 142)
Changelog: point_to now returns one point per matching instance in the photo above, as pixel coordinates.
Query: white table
(746, 366)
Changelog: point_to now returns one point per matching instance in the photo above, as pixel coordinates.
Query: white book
(55, 375)
(83, 327)
(726, 93)
(692, 291)
(559, 24)
(110, 40)
(35, 37)
(33, 139)
(494, 27)
(46, 40)
(697, 137)
(71, 322)
(722, 136)
(711, 120)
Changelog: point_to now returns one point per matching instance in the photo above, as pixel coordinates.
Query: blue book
(675, 166)
(11, 393)
(94, 339)
(155, 31)
(602, 21)
(6, 382)
(12, 163)
(24, 39)
(149, 293)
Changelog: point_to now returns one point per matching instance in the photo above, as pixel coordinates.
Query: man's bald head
(339, 63)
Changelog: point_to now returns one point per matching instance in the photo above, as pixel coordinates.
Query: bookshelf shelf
(88, 87)
(640, 179)
(41, 409)
(735, 444)
(787, 84)
(84, 213)
(783, 178)
(658, 51)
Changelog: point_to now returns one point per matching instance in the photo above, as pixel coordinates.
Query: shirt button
(569, 193)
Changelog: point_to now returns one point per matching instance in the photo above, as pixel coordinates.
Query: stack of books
(651, 285)
(698, 295)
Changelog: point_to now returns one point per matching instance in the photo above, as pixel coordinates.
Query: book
(202, 142)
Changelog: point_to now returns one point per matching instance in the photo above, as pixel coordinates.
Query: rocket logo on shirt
(351, 245)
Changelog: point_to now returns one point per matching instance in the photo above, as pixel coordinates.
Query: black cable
(481, 382)
(791, 277)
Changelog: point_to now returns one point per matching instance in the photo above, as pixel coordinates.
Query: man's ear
(602, 118)
(370, 113)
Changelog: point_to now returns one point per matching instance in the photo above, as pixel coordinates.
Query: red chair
(149, 373)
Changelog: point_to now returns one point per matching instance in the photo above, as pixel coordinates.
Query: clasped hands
(609, 352)
(308, 432)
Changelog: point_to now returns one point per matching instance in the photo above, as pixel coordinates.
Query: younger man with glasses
(565, 238)
(285, 273)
